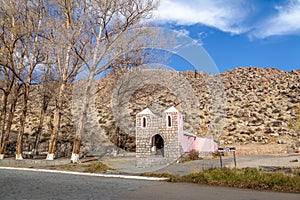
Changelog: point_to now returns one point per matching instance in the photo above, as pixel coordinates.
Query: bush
(246, 178)
(97, 167)
(194, 155)
(242, 178)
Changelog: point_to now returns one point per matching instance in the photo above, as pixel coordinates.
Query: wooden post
(234, 159)
(222, 150)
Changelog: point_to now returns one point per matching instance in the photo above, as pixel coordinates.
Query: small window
(144, 122)
(169, 122)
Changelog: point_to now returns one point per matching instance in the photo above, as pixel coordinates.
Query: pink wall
(185, 142)
(189, 143)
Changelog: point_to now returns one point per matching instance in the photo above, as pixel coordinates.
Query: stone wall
(157, 125)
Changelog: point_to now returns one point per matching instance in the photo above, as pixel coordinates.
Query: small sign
(230, 149)
(221, 152)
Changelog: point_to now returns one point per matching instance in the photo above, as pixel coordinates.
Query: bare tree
(33, 12)
(46, 90)
(13, 102)
(9, 100)
(99, 35)
(66, 26)
(6, 88)
(21, 52)
(116, 30)
(11, 62)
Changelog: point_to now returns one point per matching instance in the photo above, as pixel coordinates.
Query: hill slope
(260, 110)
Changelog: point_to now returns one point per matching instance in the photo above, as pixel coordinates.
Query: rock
(277, 123)
(269, 130)
(274, 134)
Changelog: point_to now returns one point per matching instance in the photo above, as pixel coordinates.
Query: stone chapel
(162, 140)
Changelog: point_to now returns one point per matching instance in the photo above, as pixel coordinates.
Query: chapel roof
(146, 111)
(172, 109)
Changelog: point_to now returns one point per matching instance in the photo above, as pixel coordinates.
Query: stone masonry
(149, 128)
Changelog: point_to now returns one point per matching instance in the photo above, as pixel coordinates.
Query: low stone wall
(43, 162)
(262, 149)
(152, 162)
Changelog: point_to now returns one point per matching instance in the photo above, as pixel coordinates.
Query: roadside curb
(87, 174)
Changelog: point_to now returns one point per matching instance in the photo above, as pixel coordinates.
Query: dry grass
(91, 167)
(97, 167)
(242, 178)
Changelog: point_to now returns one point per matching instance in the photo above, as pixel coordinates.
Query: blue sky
(235, 33)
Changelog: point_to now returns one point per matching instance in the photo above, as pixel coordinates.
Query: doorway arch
(158, 144)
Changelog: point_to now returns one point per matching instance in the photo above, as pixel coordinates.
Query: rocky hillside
(262, 107)
(259, 109)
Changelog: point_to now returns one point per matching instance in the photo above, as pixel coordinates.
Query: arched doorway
(157, 145)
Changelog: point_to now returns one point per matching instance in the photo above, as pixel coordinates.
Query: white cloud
(286, 22)
(226, 15)
(200, 37)
(183, 36)
(234, 16)
(182, 32)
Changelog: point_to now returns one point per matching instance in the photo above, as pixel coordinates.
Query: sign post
(221, 152)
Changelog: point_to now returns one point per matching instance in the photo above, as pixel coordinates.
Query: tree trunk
(80, 130)
(3, 117)
(81, 127)
(56, 123)
(22, 124)
(8, 127)
(40, 127)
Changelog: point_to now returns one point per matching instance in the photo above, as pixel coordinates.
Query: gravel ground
(127, 165)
